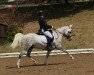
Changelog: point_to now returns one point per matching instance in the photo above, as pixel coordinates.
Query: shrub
(12, 30)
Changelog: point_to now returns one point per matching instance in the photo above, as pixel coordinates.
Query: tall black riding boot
(49, 44)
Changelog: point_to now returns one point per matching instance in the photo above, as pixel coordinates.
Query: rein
(56, 32)
(60, 32)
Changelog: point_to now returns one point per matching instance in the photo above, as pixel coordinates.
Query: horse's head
(67, 32)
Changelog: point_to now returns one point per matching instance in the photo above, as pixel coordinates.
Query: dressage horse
(32, 40)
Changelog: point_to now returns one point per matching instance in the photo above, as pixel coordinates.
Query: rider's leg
(50, 39)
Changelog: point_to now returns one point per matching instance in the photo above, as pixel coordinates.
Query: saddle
(48, 39)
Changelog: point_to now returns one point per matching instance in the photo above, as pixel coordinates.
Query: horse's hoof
(35, 63)
(73, 59)
(18, 66)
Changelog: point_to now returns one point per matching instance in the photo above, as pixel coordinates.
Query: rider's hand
(52, 27)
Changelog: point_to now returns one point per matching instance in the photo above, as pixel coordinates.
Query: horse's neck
(57, 35)
(60, 32)
(61, 29)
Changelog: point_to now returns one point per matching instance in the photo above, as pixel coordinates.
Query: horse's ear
(71, 25)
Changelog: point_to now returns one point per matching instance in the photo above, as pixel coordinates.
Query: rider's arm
(44, 22)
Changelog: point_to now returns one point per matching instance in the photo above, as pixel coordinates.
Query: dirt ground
(57, 65)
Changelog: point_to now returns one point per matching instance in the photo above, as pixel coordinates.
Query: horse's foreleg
(68, 54)
(47, 55)
(59, 46)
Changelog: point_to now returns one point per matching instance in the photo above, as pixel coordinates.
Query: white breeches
(47, 33)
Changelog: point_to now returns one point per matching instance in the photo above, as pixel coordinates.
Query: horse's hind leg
(20, 55)
(28, 54)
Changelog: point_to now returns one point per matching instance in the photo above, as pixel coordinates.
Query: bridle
(61, 33)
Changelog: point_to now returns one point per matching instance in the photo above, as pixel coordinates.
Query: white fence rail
(54, 52)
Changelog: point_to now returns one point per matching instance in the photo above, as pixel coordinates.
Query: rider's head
(40, 13)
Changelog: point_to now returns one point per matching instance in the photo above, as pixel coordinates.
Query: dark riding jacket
(43, 24)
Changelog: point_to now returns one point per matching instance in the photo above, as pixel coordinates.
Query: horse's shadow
(47, 64)
(10, 67)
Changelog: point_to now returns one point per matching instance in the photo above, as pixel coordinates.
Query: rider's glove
(52, 27)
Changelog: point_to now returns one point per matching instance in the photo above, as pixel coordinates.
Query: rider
(45, 29)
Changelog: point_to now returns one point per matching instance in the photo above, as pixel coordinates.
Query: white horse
(32, 40)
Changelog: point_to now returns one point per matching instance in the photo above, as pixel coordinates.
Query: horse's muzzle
(69, 38)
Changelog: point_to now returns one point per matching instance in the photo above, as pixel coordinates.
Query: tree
(66, 2)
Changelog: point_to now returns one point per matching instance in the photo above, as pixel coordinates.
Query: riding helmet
(40, 13)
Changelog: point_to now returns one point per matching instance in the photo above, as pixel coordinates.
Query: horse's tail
(17, 40)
